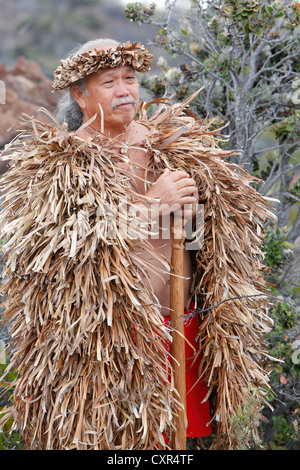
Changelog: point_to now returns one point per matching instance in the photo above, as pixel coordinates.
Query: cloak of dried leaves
(77, 67)
(87, 337)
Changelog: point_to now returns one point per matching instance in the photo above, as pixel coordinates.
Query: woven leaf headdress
(75, 68)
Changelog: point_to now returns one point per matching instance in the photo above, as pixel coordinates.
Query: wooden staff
(177, 324)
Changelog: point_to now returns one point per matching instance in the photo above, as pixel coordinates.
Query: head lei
(75, 68)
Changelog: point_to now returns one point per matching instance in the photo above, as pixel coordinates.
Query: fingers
(186, 183)
(181, 179)
(185, 190)
(178, 175)
(175, 175)
(175, 187)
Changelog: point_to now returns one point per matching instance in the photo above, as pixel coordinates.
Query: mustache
(121, 101)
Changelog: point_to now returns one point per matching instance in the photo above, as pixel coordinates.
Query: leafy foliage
(9, 440)
(283, 430)
(244, 53)
(278, 251)
(245, 56)
(245, 424)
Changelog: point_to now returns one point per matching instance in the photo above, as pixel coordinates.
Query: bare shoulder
(138, 133)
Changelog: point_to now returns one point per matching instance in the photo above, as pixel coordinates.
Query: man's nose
(121, 89)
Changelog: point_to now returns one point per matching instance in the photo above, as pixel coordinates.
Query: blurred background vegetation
(245, 55)
(45, 31)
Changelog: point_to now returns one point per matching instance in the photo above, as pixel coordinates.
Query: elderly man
(89, 265)
(112, 96)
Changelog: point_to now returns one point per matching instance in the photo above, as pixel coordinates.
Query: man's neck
(121, 134)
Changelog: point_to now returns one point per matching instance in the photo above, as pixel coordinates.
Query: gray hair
(67, 109)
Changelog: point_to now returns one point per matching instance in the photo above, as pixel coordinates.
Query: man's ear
(78, 95)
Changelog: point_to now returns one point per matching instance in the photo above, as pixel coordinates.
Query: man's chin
(125, 114)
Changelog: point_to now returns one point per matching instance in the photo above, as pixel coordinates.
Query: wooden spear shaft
(177, 324)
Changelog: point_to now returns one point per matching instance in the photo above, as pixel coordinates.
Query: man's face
(116, 90)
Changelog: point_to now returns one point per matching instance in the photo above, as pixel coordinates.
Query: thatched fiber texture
(87, 336)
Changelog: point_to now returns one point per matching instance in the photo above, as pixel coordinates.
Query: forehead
(110, 72)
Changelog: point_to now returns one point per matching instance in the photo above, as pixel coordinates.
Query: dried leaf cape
(87, 337)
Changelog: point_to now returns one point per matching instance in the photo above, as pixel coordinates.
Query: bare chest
(137, 166)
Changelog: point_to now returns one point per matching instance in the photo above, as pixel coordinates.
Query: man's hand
(175, 191)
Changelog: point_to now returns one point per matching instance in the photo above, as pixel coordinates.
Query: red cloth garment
(198, 413)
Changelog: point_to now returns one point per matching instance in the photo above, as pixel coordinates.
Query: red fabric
(198, 414)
